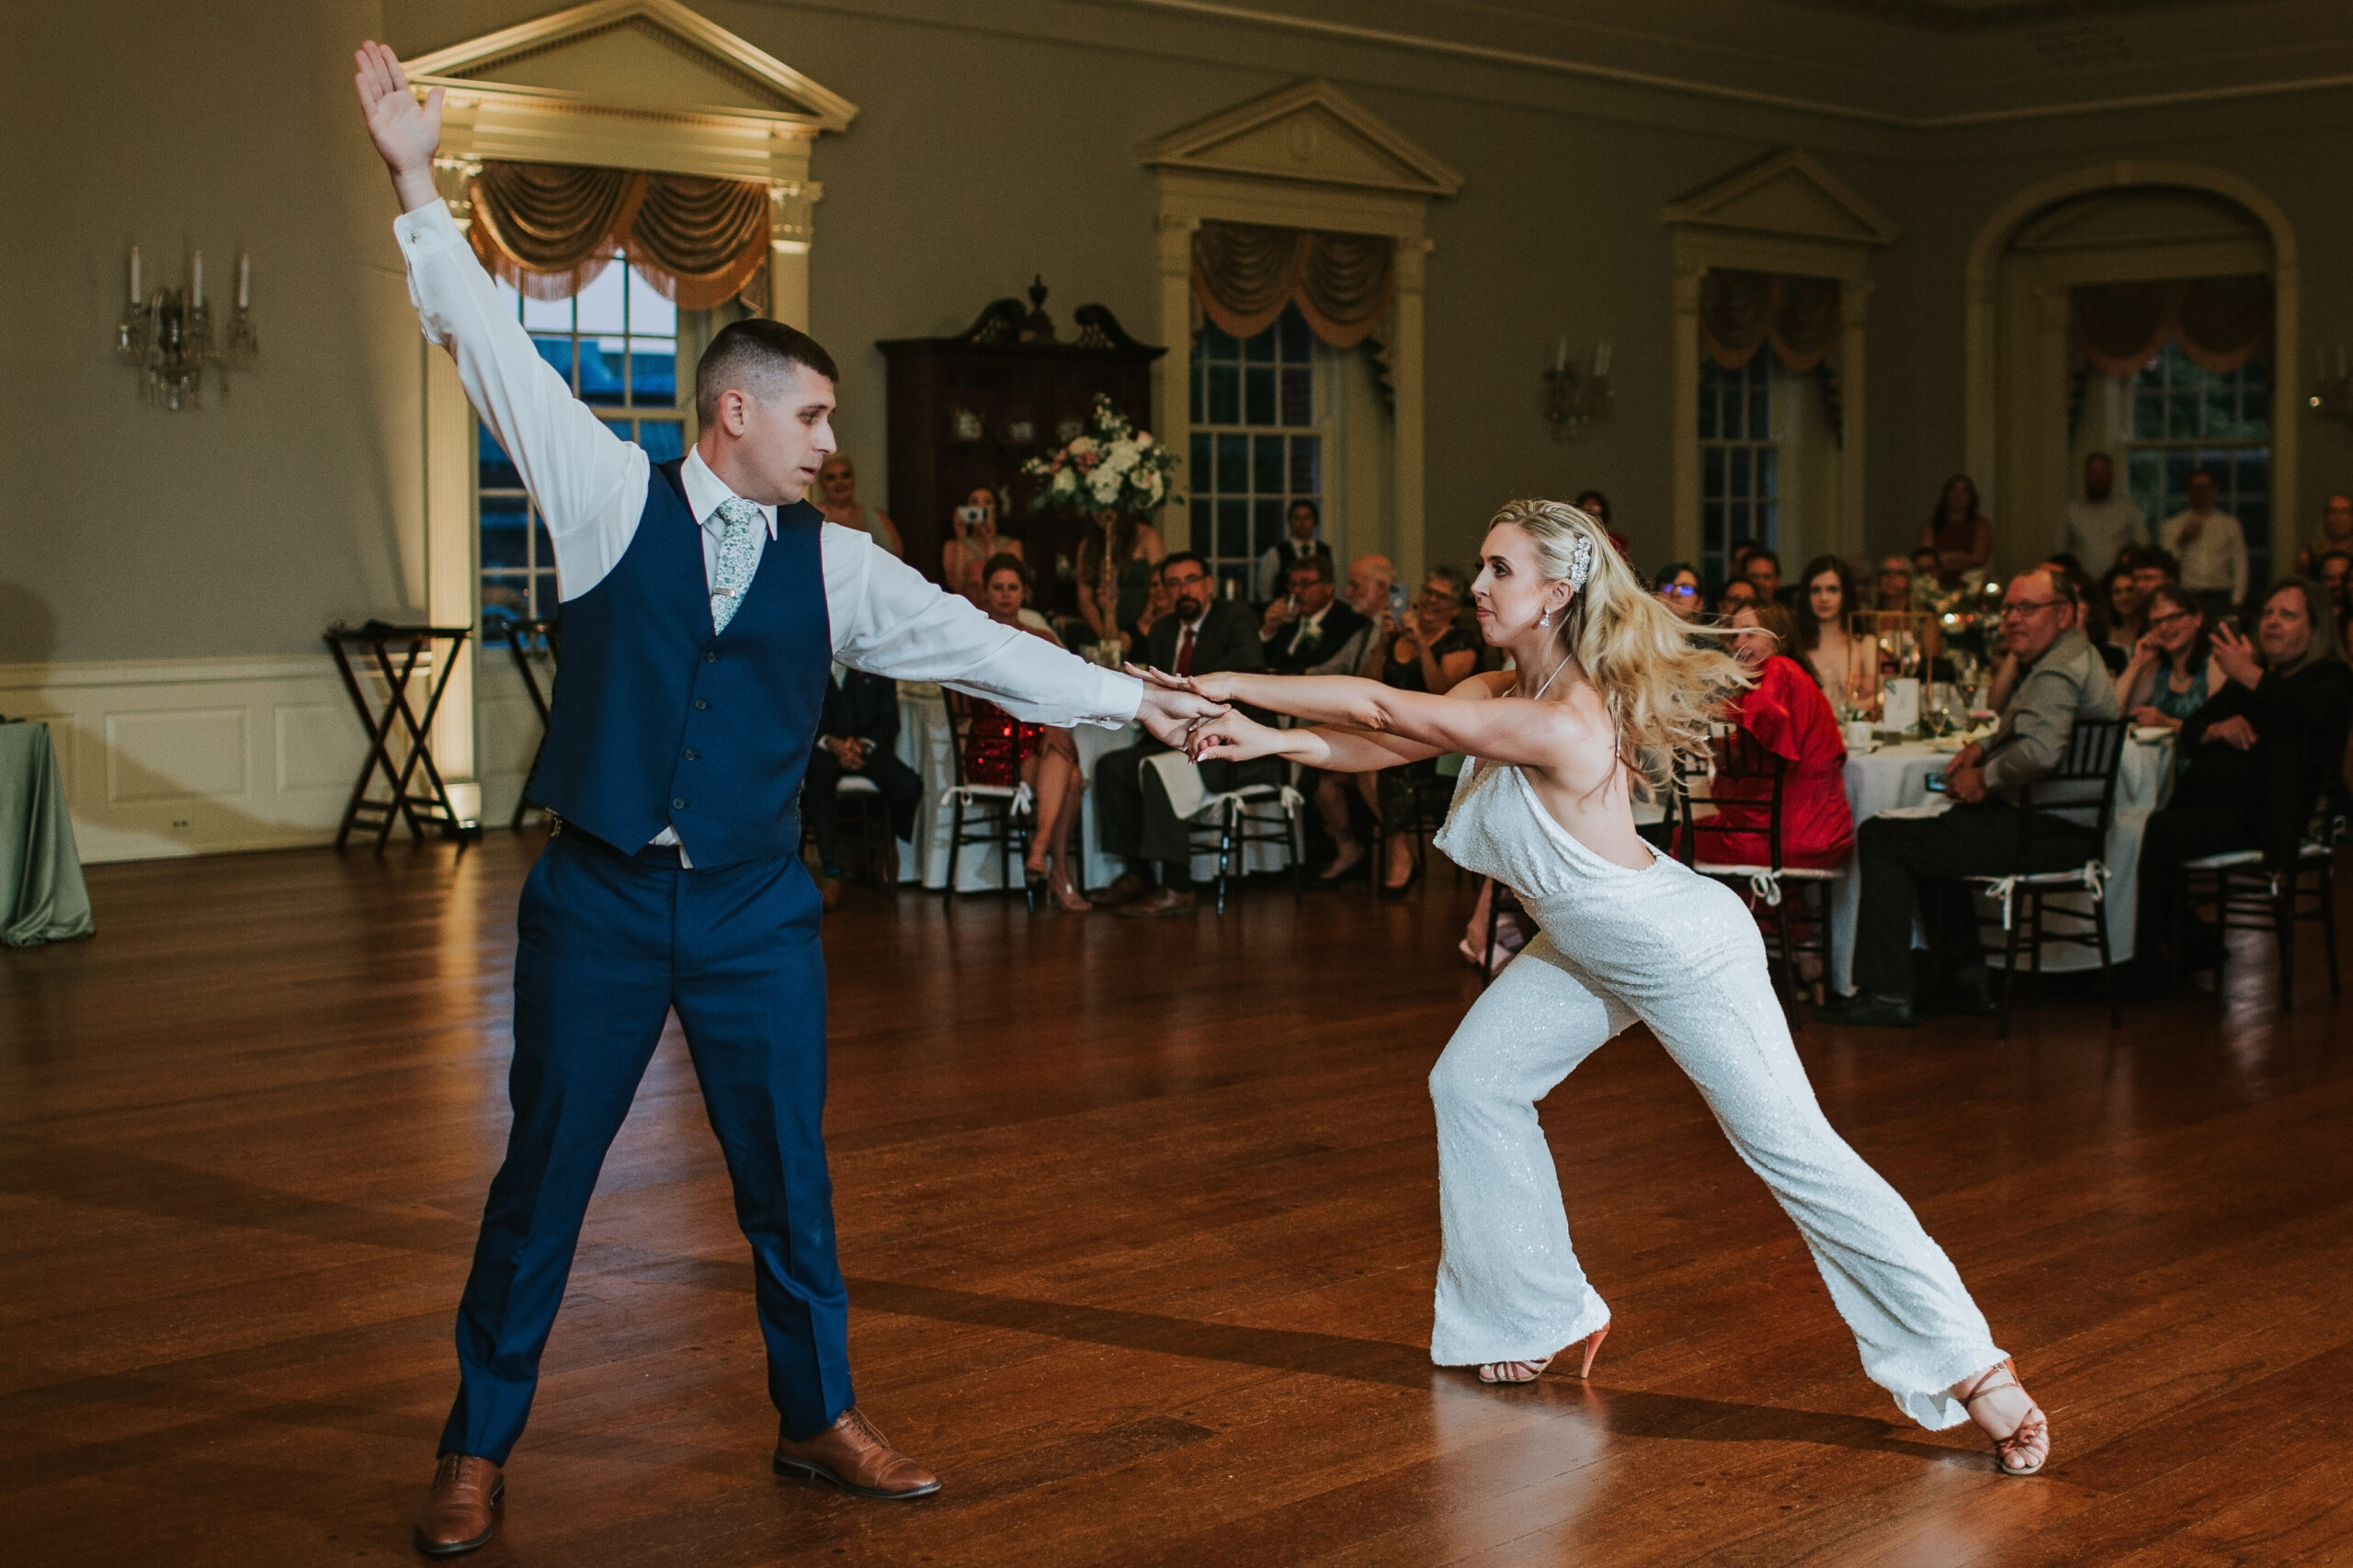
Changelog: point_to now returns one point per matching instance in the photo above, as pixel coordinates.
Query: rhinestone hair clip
(1580, 562)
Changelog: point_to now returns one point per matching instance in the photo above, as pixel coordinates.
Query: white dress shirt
(2213, 562)
(590, 485)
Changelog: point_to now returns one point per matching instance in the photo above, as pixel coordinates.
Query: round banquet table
(1896, 777)
(925, 742)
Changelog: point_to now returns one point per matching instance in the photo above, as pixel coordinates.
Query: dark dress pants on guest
(1133, 815)
(1978, 840)
(2175, 834)
(608, 944)
(902, 789)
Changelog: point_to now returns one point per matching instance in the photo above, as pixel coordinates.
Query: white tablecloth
(1898, 776)
(924, 744)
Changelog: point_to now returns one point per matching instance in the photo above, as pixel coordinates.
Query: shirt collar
(706, 491)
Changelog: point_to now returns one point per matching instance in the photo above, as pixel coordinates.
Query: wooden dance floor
(1140, 1225)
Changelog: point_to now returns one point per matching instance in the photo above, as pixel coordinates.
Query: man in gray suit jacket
(2060, 679)
(1201, 634)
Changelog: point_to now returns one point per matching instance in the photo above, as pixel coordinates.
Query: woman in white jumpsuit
(1607, 685)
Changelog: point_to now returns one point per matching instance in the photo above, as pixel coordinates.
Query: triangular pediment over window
(639, 54)
(1786, 193)
(1312, 132)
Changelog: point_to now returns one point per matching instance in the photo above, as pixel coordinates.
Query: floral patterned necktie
(738, 553)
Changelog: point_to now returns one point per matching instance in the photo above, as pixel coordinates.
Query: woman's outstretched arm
(1364, 724)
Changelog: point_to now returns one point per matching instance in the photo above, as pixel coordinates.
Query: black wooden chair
(2071, 805)
(1792, 903)
(2251, 894)
(982, 815)
(1230, 820)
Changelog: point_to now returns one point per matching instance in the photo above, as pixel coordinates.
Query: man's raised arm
(577, 470)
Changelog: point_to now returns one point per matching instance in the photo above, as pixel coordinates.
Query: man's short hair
(1761, 553)
(1316, 566)
(755, 357)
(1178, 557)
(2155, 557)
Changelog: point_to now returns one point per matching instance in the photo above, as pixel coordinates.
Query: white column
(1854, 508)
(1684, 439)
(452, 576)
(1172, 413)
(791, 230)
(1411, 547)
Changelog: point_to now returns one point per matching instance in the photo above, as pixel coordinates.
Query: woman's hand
(2146, 649)
(1233, 737)
(1217, 686)
(2236, 657)
(2145, 714)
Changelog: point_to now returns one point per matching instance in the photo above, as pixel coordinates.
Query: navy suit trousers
(608, 944)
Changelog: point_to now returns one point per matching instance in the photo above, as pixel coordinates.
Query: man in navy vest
(704, 602)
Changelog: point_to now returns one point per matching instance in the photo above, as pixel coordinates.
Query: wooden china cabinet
(969, 410)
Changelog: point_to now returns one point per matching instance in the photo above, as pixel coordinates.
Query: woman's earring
(1544, 619)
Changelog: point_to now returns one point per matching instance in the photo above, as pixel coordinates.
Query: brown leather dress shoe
(852, 1455)
(1159, 902)
(457, 1514)
(1129, 886)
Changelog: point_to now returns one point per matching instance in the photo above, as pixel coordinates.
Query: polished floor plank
(1140, 1226)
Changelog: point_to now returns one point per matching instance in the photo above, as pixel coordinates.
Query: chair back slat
(959, 731)
(1736, 754)
(2093, 751)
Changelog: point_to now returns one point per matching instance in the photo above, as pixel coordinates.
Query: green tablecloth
(42, 897)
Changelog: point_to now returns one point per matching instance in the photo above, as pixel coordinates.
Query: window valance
(548, 229)
(2221, 323)
(1742, 312)
(1243, 274)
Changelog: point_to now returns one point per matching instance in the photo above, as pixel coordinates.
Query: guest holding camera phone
(973, 541)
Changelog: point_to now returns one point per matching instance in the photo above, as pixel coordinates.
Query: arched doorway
(2035, 409)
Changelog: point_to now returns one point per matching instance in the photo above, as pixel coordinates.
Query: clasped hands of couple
(1213, 728)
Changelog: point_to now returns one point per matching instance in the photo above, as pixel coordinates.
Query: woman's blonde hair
(1663, 682)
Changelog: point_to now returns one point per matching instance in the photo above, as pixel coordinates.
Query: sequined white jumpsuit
(1681, 953)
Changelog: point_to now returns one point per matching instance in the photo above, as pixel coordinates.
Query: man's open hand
(405, 133)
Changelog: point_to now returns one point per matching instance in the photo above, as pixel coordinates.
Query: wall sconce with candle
(2332, 395)
(1573, 399)
(166, 335)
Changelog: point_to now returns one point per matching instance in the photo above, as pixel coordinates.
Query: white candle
(1561, 355)
(1601, 359)
(244, 279)
(135, 295)
(195, 281)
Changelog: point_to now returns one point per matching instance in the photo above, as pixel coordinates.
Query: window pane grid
(1739, 460)
(2184, 419)
(616, 345)
(1257, 447)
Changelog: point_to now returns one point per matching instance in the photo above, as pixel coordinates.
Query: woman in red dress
(1001, 749)
(1786, 713)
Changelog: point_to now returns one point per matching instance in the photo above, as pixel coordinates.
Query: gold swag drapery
(548, 229)
(2221, 323)
(1243, 274)
(1742, 312)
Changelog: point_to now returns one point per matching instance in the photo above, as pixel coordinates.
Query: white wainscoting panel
(193, 757)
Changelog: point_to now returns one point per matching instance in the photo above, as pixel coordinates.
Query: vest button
(701, 704)
(712, 656)
(676, 804)
(694, 756)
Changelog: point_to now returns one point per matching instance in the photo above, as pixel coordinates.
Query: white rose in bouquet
(1105, 483)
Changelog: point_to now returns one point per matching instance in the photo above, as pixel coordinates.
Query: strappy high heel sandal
(1528, 1371)
(2029, 1444)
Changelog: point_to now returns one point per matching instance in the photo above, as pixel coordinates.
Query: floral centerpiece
(1111, 467)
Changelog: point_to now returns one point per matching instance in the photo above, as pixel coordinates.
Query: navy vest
(658, 722)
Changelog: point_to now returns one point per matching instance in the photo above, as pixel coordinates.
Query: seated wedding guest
(1200, 635)
(1736, 560)
(2262, 752)
(1844, 663)
(2170, 677)
(2098, 529)
(2062, 680)
(1926, 582)
(1001, 749)
(1763, 569)
(857, 732)
(838, 498)
(1895, 584)
(1958, 531)
(1737, 592)
(973, 543)
(1116, 561)
(1302, 540)
(2152, 564)
(1678, 586)
(2335, 534)
(1307, 625)
(1155, 606)
(1367, 594)
(2091, 611)
(1788, 715)
(1428, 653)
(2209, 546)
(2127, 610)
